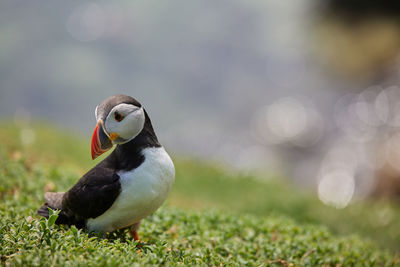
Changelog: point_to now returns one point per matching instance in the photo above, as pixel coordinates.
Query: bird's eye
(118, 117)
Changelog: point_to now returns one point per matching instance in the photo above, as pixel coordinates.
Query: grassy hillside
(282, 226)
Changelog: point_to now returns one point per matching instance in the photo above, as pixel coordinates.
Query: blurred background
(306, 90)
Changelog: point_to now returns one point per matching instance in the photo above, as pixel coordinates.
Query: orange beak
(100, 140)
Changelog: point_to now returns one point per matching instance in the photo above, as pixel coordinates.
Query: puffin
(128, 185)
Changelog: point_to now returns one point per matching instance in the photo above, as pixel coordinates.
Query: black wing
(94, 193)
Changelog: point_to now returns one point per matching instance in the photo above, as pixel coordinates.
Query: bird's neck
(129, 155)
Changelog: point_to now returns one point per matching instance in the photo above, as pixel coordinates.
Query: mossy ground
(211, 218)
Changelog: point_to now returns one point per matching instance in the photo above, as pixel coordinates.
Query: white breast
(143, 190)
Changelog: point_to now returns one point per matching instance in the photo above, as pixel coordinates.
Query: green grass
(211, 217)
(204, 186)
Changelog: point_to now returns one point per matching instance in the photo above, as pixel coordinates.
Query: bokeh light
(27, 136)
(336, 188)
(87, 22)
(288, 120)
(388, 106)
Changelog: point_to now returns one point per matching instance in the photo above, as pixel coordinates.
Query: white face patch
(128, 127)
(95, 113)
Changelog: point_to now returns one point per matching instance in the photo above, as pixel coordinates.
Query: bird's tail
(54, 201)
(44, 210)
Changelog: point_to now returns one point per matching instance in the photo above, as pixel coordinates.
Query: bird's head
(120, 118)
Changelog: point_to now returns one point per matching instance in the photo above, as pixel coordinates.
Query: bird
(129, 184)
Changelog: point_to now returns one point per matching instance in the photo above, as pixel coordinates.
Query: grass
(206, 187)
(212, 218)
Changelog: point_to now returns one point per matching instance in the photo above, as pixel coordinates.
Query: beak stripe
(100, 141)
